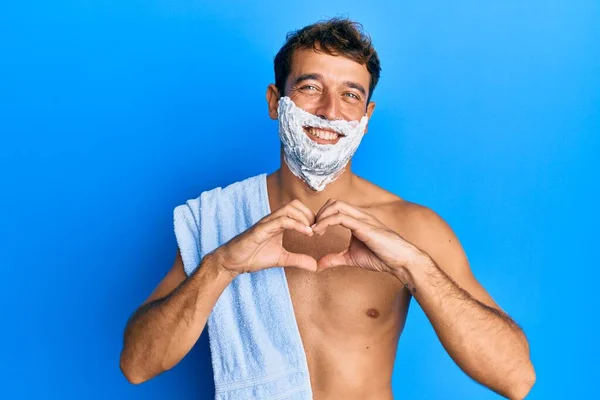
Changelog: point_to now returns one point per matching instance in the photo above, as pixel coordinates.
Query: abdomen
(350, 321)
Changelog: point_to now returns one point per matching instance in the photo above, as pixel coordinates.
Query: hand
(261, 246)
(373, 246)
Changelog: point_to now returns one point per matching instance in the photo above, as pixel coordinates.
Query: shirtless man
(354, 254)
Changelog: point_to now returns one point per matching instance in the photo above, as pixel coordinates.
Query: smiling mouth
(322, 136)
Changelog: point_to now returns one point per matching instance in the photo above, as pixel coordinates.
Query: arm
(424, 254)
(476, 333)
(166, 327)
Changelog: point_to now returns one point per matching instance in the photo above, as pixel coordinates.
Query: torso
(349, 319)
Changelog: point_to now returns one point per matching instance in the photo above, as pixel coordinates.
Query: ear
(370, 109)
(273, 100)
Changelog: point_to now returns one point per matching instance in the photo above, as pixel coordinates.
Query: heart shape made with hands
(369, 246)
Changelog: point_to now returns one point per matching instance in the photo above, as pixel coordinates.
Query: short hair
(336, 37)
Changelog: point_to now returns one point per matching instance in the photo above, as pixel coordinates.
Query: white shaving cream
(316, 164)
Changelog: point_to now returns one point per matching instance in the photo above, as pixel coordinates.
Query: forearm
(162, 332)
(482, 340)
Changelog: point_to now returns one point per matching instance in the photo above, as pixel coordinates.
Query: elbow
(522, 386)
(133, 375)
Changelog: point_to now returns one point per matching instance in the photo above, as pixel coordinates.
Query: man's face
(325, 92)
(331, 87)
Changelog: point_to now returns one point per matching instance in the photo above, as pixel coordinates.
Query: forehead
(333, 68)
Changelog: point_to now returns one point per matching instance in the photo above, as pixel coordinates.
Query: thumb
(334, 260)
(302, 261)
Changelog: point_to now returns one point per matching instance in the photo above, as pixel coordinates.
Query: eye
(308, 87)
(352, 95)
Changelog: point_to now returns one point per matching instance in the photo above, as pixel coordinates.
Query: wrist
(218, 266)
(410, 269)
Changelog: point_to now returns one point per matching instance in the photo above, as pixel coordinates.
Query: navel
(373, 313)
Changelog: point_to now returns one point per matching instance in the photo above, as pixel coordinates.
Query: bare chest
(343, 300)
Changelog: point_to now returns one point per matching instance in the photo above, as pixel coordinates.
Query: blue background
(114, 112)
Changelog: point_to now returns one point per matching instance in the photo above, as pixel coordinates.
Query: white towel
(255, 344)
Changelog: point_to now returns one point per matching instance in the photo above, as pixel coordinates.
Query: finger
(302, 261)
(325, 206)
(288, 211)
(279, 224)
(334, 260)
(295, 209)
(338, 206)
(304, 209)
(345, 220)
(356, 226)
(296, 213)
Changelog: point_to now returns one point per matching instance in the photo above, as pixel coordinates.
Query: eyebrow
(308, 77)
(319, 77)
(356, 86)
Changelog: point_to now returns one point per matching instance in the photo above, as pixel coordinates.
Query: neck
(284, 187)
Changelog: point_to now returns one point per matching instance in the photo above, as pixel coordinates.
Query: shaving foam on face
(316, 164)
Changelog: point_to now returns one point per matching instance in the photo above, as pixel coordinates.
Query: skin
(354, 256)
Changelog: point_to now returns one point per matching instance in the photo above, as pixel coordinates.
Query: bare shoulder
(425, 229)
(417, 223)
(428, 231)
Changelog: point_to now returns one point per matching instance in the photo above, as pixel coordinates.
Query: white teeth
(322, 134)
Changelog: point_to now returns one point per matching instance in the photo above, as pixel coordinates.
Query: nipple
(373, 313)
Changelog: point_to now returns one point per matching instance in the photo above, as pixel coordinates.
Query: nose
(328, 107)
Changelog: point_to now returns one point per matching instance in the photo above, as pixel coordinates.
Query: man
(354, 254)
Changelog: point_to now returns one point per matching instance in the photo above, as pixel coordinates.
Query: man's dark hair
(336, 37)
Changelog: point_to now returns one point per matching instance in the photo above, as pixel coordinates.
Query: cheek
(306, 102)
(311, 103)
(353, 112)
